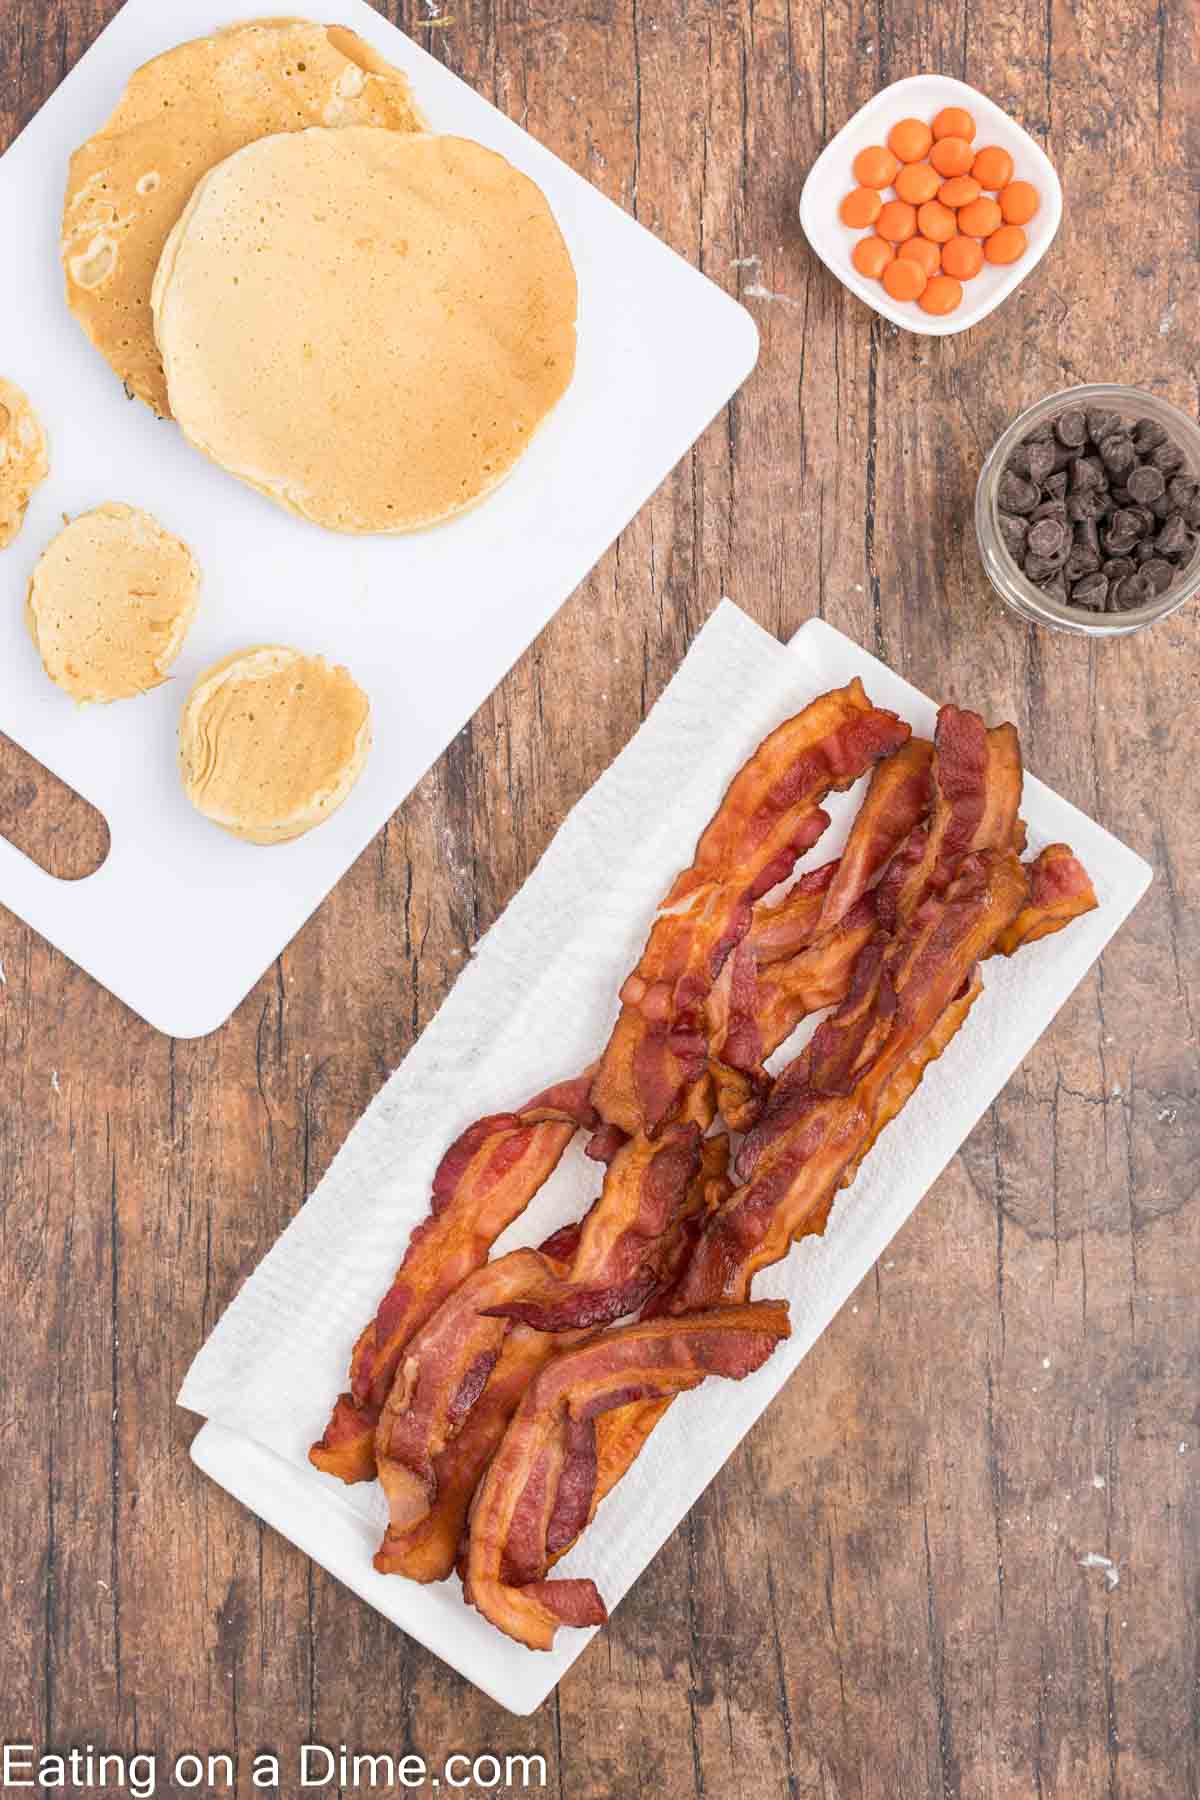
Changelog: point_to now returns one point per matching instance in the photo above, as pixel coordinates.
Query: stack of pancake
(363, 320)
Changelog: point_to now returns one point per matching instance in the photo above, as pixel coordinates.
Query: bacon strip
(1060, 889)
(550, 1445)
(432, 1448)
(485, 1180)
(770, 815)
(977, 793)
(899, 796)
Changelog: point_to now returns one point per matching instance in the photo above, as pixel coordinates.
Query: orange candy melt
(1019, 201)
(960, 190)
(861, 208)
(1006, 244)
(940, 295)
(917, 182)
(871, 256)
(920, 250)
(962, 257)
(954, 121)
(875, 167)
(952, 156)
(992, 168)
(910, 140)
(905, 279)
(897, 221)
(980, 219)
(936, 222)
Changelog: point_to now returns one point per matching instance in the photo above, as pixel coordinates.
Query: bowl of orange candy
(931, 205)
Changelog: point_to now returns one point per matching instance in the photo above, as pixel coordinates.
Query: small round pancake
(366, 326)
(110, 603)
(24, 460)
(179, 116)
(271, 742)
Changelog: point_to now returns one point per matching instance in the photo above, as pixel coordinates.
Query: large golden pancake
(180, 115)
(110, 603)
(24, 461)
(271, 742)
(367, 326)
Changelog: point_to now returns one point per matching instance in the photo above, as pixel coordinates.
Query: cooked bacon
(770, 815)
(617, 1267)
(517, 1506)
(898, 798)
(1060, 889)
(485, 1180)
(977, 793)
(822, 1110)
(442, 1375)
(437, 1432)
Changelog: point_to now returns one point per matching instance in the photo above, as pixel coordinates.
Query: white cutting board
(181, 920)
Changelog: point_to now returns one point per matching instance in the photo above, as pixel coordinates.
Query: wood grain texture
(882, 1597)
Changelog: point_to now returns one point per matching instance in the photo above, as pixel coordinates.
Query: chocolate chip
(1040, 434)
(1091, 592)
(1192, 512)
(1015, 495)
(1126, 523)
(1050, 509)
(1101, 424)
(1167, 457)
(1070, 428)
(1048, 536)
(1013, 531)
(1146, 484)
(1056, 588)
(1148, 434)
(1163, 507)
(1118, 454)
(1041, 569)
(1018, 461)
(1160, 573)
(1135, 590)
(1143, 554)
(1117, 567)
(1181, 491)
(1172, 540)
(1080, 563)
(1088, 538)
(1116, 545)
(1087, 472)
(1055, 486)
(1043, 460)
(1146, 520)
(1091, 504)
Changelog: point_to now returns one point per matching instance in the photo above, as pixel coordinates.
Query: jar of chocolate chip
(1088, 511)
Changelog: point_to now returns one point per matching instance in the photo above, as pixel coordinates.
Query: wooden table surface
(884, 1596)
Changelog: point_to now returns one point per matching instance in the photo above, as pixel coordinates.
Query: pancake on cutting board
(271, 742)
(179, 116)
(24, 458)
(110, 603)
(367, 326)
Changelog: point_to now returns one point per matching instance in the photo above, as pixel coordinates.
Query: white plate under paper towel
(182, 920)
(534, 1004)
(832, 177)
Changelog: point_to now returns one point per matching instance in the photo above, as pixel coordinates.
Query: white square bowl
(831, 178)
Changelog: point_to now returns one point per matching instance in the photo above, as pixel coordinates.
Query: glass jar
(1013, 587)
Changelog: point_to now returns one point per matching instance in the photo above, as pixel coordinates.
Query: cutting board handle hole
(46, 820)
